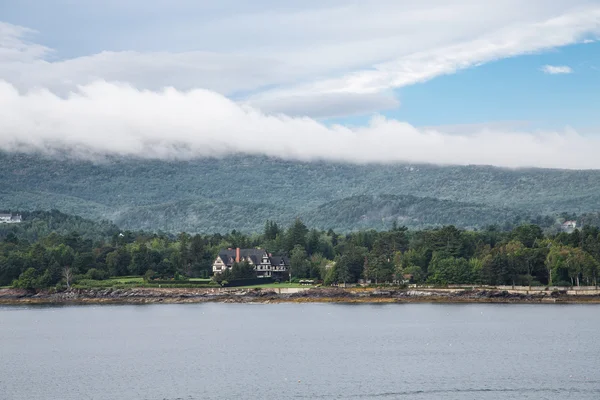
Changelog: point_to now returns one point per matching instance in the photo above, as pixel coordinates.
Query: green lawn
(277, 285)
(127, 280)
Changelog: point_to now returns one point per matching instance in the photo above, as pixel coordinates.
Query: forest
(55, 250)
(218, 195)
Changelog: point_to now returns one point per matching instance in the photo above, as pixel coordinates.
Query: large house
(10, 218)
(265, 264)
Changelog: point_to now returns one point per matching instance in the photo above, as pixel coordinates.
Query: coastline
(270, 296)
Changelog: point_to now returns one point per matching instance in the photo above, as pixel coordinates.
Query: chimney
(237, 255)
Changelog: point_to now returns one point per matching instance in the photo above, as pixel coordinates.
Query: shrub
(27, 280)
(96, 274)
(149, 275)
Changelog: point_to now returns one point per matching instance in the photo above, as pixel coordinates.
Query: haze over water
(294, 351)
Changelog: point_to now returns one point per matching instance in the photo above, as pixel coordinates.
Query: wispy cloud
(109, 119)
(252, 78)
(557, 69)
(346, 63)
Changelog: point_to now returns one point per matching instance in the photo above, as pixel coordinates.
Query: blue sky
(294, 73)
(513, 89)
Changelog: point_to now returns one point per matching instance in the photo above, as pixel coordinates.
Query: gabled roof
(277, 260)
(256, 255)
(228, 256)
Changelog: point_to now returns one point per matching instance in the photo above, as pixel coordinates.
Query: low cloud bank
(109, 119)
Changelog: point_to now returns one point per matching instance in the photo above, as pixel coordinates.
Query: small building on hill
(10, 218)
(265, 264)
(568, 226)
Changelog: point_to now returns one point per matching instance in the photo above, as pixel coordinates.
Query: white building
(10, 218)
(569, 226)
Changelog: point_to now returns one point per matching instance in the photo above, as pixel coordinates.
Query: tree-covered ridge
(203, 195)
(380, 211)
(445, 255)
(40, 224)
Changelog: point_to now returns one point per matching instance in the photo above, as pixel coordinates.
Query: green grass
(126, 279)
(124, 282)
(276, 285)
(128, 282)
(119, 281)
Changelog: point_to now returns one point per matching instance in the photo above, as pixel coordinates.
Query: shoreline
(269, 296)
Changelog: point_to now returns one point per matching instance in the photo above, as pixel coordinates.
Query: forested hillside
(240, 192)
(380, 211)
(39, 224)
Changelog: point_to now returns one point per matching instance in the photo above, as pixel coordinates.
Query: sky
(501, 82)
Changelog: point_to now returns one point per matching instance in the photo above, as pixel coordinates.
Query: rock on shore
(190, 295)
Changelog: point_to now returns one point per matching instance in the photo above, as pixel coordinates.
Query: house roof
(228, 256)
(277, 260)
(256, 255)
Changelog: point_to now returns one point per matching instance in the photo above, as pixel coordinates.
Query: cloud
(327, 105)
(557, 69)
(262, 53)
(15, 48)
(115, 119)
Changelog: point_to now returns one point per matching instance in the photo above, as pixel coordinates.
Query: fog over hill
(241, 192)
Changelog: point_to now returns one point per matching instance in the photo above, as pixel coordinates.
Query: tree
(11, 238)
(27, 280)
(590, 269)
(527, 234)
(184, 254)
(449, 270)
(446, 241)
(515, 254)
(68, 275)
(298, 263)
(242, 270)
(296, 235)
(118, 262)
(271, 230)
(379, 269)
(350, 263)
(140, 260)
(389, 243)
(313, 243)
(149, 275)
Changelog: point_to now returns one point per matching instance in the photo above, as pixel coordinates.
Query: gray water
(296, 351)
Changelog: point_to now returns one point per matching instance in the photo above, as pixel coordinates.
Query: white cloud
(252, 77)
(296, 58)
(108, 119)
(15, 48)
(557, 69)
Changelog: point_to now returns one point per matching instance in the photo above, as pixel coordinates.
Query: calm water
(295, 351)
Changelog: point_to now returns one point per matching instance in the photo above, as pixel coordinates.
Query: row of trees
(523, 256)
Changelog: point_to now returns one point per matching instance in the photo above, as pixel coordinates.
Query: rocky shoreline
(316, 295)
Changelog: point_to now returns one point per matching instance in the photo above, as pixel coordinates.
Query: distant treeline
(53, 249)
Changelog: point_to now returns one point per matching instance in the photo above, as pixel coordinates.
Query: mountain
(380, 211)
(39, 224)
(241, 192)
